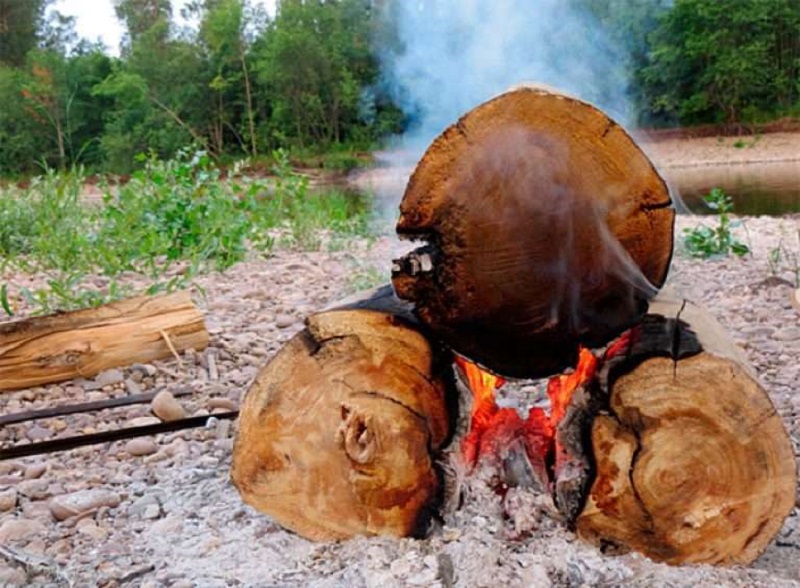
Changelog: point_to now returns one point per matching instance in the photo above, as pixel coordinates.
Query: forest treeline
(308, 78)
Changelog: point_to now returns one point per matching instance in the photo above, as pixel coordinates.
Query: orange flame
(492, 426)
(483, 385)
(561, 388)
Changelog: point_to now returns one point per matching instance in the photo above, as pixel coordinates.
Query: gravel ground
(162, 512)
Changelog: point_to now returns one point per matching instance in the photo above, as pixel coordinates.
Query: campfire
(547, 236)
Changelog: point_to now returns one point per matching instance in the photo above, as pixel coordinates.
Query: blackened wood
(67, 443)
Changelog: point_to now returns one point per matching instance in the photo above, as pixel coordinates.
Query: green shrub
(704, 241)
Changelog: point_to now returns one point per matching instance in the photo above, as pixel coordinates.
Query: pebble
(38, 433)
(141, 446)
(427, 577)
(222, 404)
(787, 334)
(37, 510)
(8, 499)
(143, 421)
(76, 503)
(34, 489)
(35, 471)
(109, 377)
(12, 576)
(284, 321)
(145, 369)
(536, 575)
(152, 512)
(132, 386)
(90, 528)
(138, 508)
(166, 407)
(20, 529)
(758, 331)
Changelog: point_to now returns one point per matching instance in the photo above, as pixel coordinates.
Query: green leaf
(4, 300)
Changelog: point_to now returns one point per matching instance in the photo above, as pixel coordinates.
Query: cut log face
(336, 436)
(43, 350)
(546, 227)
(694, 465)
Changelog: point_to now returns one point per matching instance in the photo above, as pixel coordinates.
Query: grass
(172, 221)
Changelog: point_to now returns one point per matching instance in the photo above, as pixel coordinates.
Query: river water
(771, 189)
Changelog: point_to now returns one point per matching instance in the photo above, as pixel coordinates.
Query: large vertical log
(546, 227)
(338, 435)
(693, 464)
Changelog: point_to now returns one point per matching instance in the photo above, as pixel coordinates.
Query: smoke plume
(451, 55)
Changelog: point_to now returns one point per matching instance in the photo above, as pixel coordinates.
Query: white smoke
(451, 55)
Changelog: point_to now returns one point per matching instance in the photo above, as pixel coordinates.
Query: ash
(172, 518)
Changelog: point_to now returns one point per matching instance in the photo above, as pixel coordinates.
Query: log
(48, 349)
(546, 226)
(339, 433)
(693, 463)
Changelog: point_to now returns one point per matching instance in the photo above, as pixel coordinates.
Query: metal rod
(67, 443)
(94, 406)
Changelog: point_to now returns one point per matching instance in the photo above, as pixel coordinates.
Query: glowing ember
(623, 344)
(494, 429)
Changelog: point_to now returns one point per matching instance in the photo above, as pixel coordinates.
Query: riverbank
(708, 151)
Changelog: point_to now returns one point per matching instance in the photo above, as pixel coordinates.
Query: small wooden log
(44, 350)
(338, 434)
(546, 227)
(693, 463)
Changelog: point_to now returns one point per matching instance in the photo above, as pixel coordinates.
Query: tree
(222, 32)
(141, 16)
(20, 21)
(720, 62)
(313, 60)
(629, 25)
(21, 142)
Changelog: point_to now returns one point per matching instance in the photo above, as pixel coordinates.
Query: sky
(97, 19)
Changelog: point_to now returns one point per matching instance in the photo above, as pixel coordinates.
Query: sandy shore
(669, 153)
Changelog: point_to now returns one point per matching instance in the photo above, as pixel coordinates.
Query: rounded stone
(141, 447)
(166, 407)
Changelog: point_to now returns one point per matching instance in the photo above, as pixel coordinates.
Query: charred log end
(574, 468)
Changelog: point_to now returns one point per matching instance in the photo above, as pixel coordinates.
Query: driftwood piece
(693, 463)
(546, 226)
(44, 350)
(337, 436)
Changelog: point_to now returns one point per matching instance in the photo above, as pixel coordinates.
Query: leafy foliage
(703, 241)
(307, 79)
(173, 220)
(726, 62)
